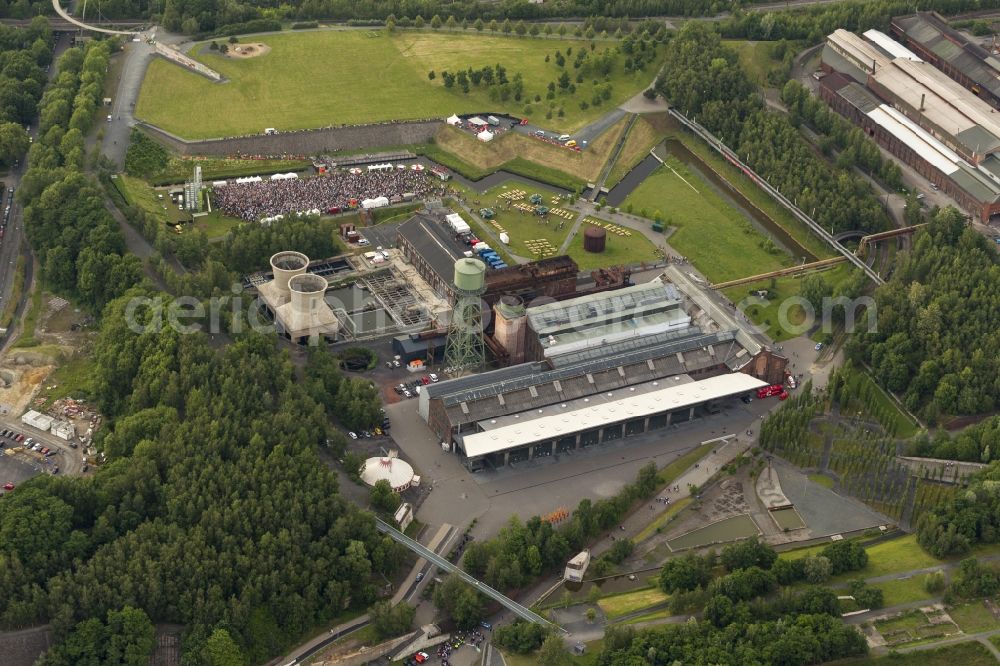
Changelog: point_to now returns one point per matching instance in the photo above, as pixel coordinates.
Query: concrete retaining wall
(304, 142)
(179, 58)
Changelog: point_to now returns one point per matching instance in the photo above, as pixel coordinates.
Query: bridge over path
(80, 24)
(521, 611)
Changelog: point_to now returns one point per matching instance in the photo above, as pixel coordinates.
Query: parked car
(407, 394)
(420, 576)
(433, 377)
(819, 346)
(486, 625)
(8, 486)
(425, 380)
(352, 435)
(45, 450)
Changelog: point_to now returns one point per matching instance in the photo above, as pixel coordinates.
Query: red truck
(772, 390)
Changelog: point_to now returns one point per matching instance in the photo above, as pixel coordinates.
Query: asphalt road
(137, 57)
(11, 246)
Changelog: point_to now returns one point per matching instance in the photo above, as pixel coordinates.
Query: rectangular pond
(787, 518)
(727, 529)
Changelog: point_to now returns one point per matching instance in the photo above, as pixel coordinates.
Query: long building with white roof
(919, 114)
(601, 418)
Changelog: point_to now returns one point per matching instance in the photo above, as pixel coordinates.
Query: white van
(564, 137)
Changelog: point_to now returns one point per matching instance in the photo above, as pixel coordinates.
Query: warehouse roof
(943, 102)
(432, 240)
(976, 182)
(919, 141)
(628, 406)
(602, 308)
(889, 46)
(857, 51)
(934, 34)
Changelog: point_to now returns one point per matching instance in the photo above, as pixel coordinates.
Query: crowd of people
(336, 189)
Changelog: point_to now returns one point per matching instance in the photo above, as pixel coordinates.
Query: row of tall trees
(855, 149)
(24, 55)
(604, 16)
(78, 244)
(705, 80)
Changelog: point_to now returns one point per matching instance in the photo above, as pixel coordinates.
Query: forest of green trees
(705, 80)
(938, 323)
(972, 517)
(213, 512)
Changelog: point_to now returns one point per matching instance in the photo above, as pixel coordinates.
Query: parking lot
(67, 459)
(16, 471)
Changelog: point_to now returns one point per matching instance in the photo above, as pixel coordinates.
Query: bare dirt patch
(23, 380)
(243, 51)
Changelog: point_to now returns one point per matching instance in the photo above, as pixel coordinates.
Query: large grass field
(798, 230)
(714, 236)
(333, 77)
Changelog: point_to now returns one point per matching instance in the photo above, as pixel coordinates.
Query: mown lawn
(633, 249)
(333, 77)
(715, 237)
(904, 591)
(973, 617)
(622, 604)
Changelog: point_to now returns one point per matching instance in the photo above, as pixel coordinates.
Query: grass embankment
(16, 292)
(30, 321)
(715, 237)
(73, 379)
(796, 229)
(892, 556)
(900, 424)
(548, 162)
(377, 77)
(964, 654)
(589, 658)
(141, 194)
(641, 139)
(662, 520)
(181, 169)
(618, 605)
